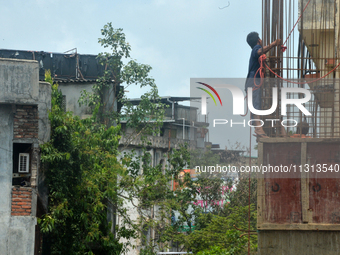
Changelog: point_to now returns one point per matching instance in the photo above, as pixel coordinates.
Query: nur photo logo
(204, 98)
(288, 98)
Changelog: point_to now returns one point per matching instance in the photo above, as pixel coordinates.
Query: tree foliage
(121, 71)
(196, 229)
(81, 177)
(86, 180)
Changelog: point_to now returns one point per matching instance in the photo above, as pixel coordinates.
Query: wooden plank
(304, 184)
(260, 188)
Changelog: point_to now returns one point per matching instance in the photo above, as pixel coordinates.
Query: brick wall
(26, 121)
(21, 201)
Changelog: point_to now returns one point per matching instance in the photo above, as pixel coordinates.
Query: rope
(261, 69)
(262, 58)
(305, 82)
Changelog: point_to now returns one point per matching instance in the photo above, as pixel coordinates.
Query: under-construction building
(299, 210)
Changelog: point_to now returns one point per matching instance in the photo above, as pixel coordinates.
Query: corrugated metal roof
(64, 67)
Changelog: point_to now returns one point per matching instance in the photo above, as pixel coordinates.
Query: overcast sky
(180, 39)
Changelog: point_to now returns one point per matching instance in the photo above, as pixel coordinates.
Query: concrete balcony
(156, 142)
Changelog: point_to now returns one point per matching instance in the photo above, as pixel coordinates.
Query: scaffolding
(310, 31)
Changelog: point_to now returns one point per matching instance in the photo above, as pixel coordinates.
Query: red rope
(261, 70)
(306, 82)
(262, 59)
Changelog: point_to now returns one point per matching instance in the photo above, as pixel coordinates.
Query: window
(63, 103)
(21, 164)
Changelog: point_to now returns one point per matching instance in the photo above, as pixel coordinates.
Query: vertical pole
(304, 184)
(249, 190)
(183, 128)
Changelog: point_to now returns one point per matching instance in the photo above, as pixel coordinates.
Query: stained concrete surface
(299, 242)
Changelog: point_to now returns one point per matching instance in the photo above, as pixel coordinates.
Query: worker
(255, 43)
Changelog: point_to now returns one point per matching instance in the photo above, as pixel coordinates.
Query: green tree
(84, 177)
(81, 169)
(197, 229)
(120, 72)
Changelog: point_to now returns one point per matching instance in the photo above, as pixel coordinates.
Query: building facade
(180, 126)
(24, 105)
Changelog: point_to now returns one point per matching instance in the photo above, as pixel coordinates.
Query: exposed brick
(24, 197)
(26, 122)
(19, 210)
(23, 203)
(20, 214)
(24, 189)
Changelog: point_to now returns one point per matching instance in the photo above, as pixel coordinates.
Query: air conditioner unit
(24, 160)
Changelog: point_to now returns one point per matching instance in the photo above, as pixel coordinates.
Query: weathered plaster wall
(20, 89)
(20, 237)
(72, 91)
(44, 105)
(16, 232)
(19, 81)
(19, 85)
(6, 136)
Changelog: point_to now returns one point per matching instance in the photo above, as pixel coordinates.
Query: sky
(180, 39)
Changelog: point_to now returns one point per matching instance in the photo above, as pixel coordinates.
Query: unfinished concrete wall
(299, 242)
(6, 135)
(16, 232)
(298, 211)
(44, 106)
(19, 80)
(72, 92)
(24, 103)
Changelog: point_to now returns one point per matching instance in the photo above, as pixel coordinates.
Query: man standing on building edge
(255, 43)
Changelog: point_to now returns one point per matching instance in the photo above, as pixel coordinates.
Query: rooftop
(65, 67)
